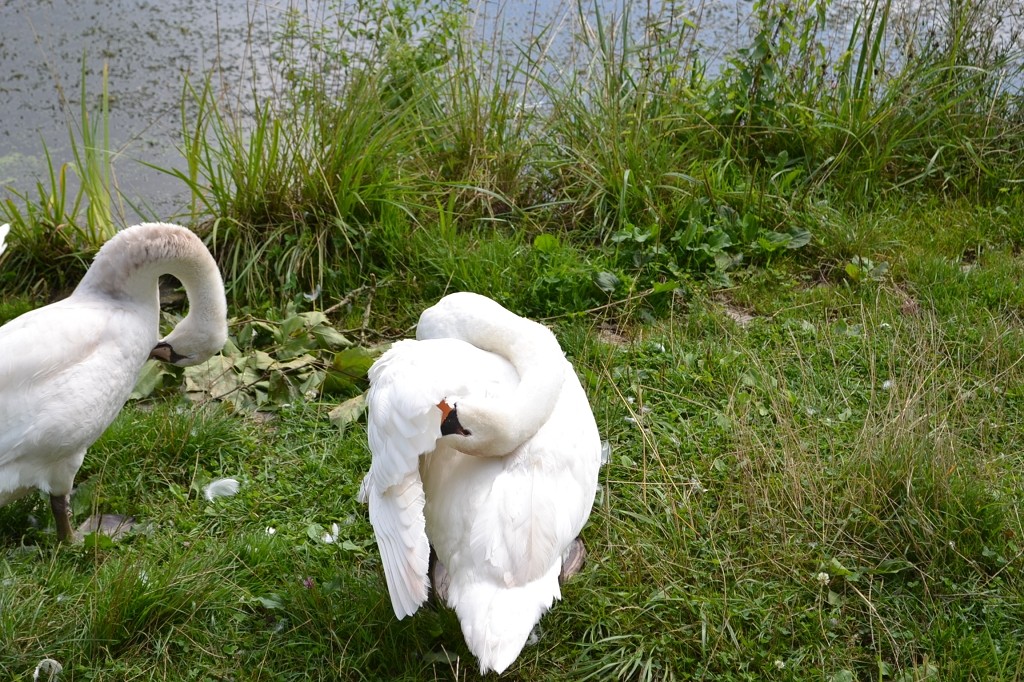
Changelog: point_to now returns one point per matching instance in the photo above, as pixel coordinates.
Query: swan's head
(191, 343)
(480, 427)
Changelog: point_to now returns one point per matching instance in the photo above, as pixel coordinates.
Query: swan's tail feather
(497, 620)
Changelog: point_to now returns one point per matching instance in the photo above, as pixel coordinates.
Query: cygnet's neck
(129, 266)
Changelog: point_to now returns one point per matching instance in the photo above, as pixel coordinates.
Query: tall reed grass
(603, 134)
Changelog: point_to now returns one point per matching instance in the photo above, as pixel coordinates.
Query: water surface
(150, 47)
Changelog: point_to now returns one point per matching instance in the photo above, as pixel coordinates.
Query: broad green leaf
(291, 325)
(546, 243)
(150, 379)
(663, 287)
(295, 363)
(270, 602)
(353, 362)
(329, 337)
(314, 318)
(607, 281)
(215, 378)
(348, 411)
(798, 237)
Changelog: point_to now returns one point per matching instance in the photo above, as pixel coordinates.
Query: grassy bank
(790, 287)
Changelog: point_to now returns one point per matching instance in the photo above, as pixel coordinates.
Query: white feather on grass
(221, 487)
(47, 670)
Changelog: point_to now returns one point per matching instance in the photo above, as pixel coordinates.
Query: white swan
(66, 369)
(509, 470)
(4, 229)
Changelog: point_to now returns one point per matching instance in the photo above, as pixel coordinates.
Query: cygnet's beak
(165, 353)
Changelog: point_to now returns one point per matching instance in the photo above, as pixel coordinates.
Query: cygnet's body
(66, 369)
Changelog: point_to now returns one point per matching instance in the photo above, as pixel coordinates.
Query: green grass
(792, 294)
(839, 431)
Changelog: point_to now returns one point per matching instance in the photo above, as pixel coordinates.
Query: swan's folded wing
(34, 349)
(45, 341)
(402, 424)
(397, 518)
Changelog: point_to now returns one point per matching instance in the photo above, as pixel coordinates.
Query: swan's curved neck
(499, 426)
(129, 265)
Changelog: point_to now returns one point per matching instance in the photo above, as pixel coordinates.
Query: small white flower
(779, 664)
(329, 538)
(823, 578)
(887, 384)
(271, 530)
(222, 487)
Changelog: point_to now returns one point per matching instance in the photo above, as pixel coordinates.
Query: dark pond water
(150, 46)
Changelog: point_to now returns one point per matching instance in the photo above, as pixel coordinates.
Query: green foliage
(828, 487)
(636, 145)
(269, 362)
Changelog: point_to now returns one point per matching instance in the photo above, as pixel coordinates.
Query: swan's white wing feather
(396, 514)
(544, 494)
(403, 423)
(35, 345)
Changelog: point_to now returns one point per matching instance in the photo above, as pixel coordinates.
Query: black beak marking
(450, 421)
(164, 352)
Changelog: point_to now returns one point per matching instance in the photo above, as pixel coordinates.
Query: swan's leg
(439, 578)
(572, 560)
(62, 517)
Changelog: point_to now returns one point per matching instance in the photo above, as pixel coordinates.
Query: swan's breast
(65, 372)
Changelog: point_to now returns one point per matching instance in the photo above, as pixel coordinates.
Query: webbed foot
(573, 558)
(439, 578)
